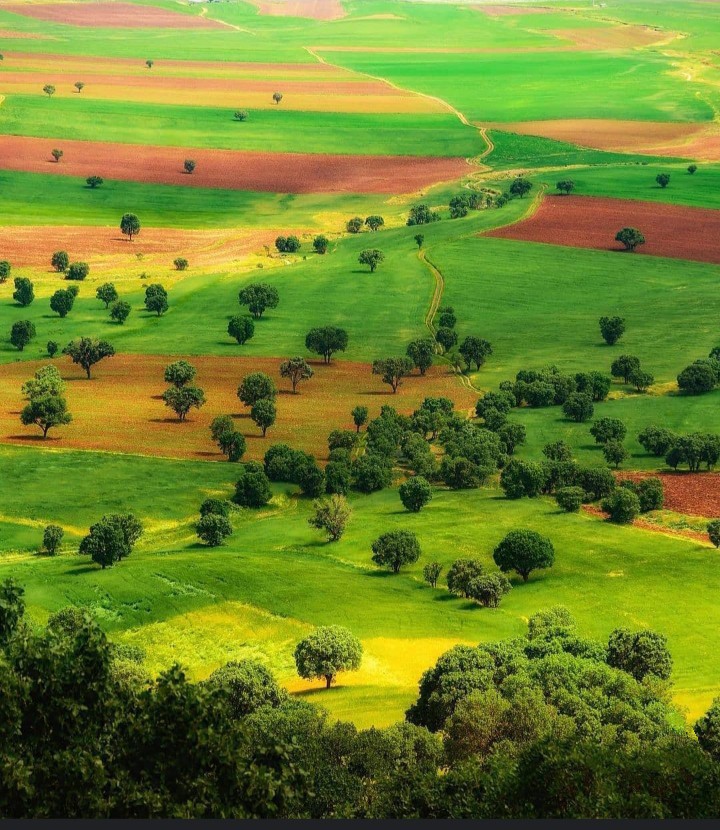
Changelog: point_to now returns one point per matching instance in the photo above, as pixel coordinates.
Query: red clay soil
(692, 494)
(112, 16)
(591, 222)
(229, 169)
(504, 11)
(316, 9)
(143, 424)
(10, 34)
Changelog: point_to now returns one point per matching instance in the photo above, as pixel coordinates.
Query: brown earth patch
(692, 494)
(106, 248)
(592, 222)
(611, 37)
(498, 10)
(229, 169)
(704, 146)
(601, 134)
(119, 410)
(316, 9)
(112, 15)
(12, 35)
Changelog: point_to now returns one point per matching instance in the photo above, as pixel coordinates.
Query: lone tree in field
(612, 329)
(663, 179)
(241, 115)
(180, 373)
(77, 271)
(419, 239)
(107, 293)
(256, 386)
(241, 328)
(182, 399)
(49, 90)
(57, 154)
(189, 165)
(395, 549)
(79, 86)
(149, 64)
(392, 370)
(624, 365)
(321, 244)
(566, 186)
(24, 292)
(415, 493)
(354, 225)
(371, 257)
(130, 225)
(331, 514)
(326, 340)
(630, 238)
(641, 380)
(421, 352)
(120, 311)
(46, 411)
(288, 244)
(326, 652)
(213, 529)
(21, 333)
(692, 169)
(474, 350)
(111, 539)
(156, 299)
(94, 181)
(296, 369)
(277, 97)
(258, 297)
(62, 302)
(422, 215)
(180, 263)
(86, 352)
(374, 222)
(578, 407)
(52, 539)
(5, 269)
(520, 187)
(360, 417)
(52, 348)
(524, 551)
(264, 414)
(431, 573)
(614, 453)
(60, 261)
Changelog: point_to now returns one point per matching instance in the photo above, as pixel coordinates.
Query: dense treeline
(547, 725)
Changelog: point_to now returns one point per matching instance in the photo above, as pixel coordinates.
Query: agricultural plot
(389, 169)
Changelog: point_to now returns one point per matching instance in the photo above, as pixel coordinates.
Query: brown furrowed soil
(120, 408)
(592, 222)
(692, 494)
(503, 11)
(316, 9)
(229, 169)
(606, 38)
(105, 248)
(619, 136)
(112, 16)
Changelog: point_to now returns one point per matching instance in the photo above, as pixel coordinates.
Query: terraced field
(381, 106)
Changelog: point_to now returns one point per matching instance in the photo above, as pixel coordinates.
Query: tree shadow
(84, 569)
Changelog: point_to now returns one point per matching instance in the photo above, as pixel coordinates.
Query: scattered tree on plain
(264, 413)
(371, 257)
(631, 238)
(179, 373)
(614, 452)
(354, 225)
(578, 407)
(392, 370)
(692, 169)
(111, 539)
(612, 329)
(130, 225)
(422, 215)
(296, 369)
(49, 90)
(21, 333)
(107, 293)
(326, 652)
(395, 549)
(156, 299)
(241, 328)
(475, 350)
(46, 411)
(277, 97)
(24, 292)
(86, 352)
(331, 515)
(431, 573)
(182, 399)
(566, 186)
(288, 244)
(60, 261)
(461, 575)
(622, 505)
(520, 187)
(360, 417)
(663, 179)
(321, 244)
(713, 531)
(241, 115)
(213, 529)
(374, 222)
(326, 340)
(149, 64)
(52, 539)
(421, 352)
(256, 386)
(180, 263)
(415, 493)
(57, 155)
(120, 311)
(524, 551)
(189, 165)
(94, 182)
(52, 348)
(61, 302)
(419, 239)
(258, 297)
(79, 86)
(446, 337)
(77, 271)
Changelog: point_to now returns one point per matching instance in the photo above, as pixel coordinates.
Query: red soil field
(316, 9)
(692, 494)
(503, 11)
(228, 169)
(120, 409)
(9, 33)
(112, 16)
(105, 248)
(603, 134)
(591, 222)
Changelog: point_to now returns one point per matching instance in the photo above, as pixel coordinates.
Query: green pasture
(276, 578)
(272, 130)
(46, 199)
(382, 312)
(527, 86)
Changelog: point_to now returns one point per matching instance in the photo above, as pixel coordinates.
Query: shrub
(489, 589)
(461, 574)
(623, 506)
(77, 271)
(216, 507)
(523, 551)
(522, 478)
(697, 379)
(579, 407)
(650, 494)
(570, 499)
(431, 573)
(253, 487)
(608, 429)
(415, 493)
(213, 529)
(52, 539)
(395, 549)
(180, 263)
(247, 686)
(713, 530)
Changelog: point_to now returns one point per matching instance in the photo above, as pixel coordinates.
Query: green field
(275, 579)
